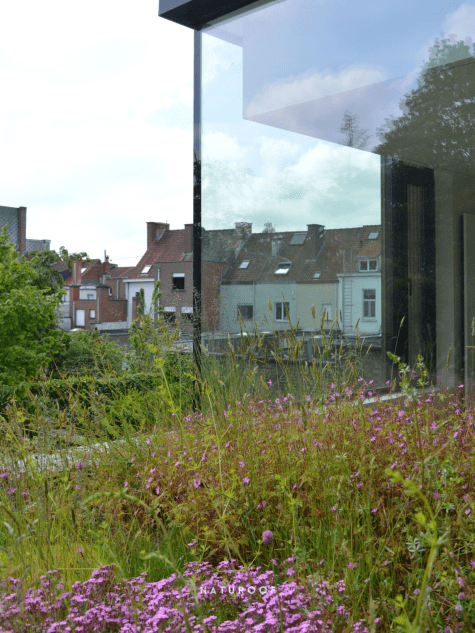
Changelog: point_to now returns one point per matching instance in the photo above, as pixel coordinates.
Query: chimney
(244, 229)
(155, 230)
(188, 246)
(276, 247)
(77, 275)
(316, 233)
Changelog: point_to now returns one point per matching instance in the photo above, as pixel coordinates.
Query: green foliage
(89, 353)
(28, 331)
(48, 278)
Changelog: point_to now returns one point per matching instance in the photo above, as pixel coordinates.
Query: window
(368, 265)
(373, 235)
(316, 275)
(327, 311)
(145, 270)
(178, 281)
(80, 315)
(87, 293)
(369, 304)
(110, 292)
(92, 314)
(245, 264)
(246, 312)
(283, 268)
(281, 310)
(169, 318)
(298, 239)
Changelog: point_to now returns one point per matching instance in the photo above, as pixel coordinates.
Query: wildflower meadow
(249, 509)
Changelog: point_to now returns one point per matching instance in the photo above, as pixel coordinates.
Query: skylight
(245, 263)
(283, 268)
(373, 235)
(298, 239)
(316, 275)
(145, 270)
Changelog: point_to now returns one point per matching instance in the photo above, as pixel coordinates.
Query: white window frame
(92, 314)
(245, 263)
(80, 318)
(283, 268)
(280, 311)
(369, 304)
(178, 276)
(364, 265)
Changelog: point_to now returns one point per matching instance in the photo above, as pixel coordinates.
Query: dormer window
(245, 263)
(368, 265)
(373, 235)
(283, 268)
(145, 270)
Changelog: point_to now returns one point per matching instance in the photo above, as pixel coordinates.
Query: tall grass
(379, 497)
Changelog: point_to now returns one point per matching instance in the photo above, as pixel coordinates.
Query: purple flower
(197, 482)
(246, 480)
(267, 537)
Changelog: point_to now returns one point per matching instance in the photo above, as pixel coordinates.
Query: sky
(95, 122)
(96, 116)
(271, 119)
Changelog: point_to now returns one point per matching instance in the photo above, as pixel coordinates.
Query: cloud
(461, 22)
(95, 121)
(310, 85)
(293, 185)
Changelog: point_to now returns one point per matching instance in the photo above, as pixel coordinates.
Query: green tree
(28, 331)
(268, 228)
(48, 278)
(355, 136)
(436, 127)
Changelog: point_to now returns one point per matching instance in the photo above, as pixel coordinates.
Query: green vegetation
(377, 498)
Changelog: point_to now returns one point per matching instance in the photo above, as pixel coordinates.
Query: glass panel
(332, 168)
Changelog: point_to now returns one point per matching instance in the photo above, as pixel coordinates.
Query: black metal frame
(197, 14)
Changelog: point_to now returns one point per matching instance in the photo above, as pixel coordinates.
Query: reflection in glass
(337, 181)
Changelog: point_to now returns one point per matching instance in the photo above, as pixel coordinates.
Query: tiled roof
(119, 271)
(220, 245)
(168, 249)
(338, 252)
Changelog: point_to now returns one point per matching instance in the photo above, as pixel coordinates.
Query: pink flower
(197, 482)
(246, 480)
(351, 566)
(267, 537)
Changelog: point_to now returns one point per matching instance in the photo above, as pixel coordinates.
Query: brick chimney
(316, 234)
(276, 247)
(155, 230)
(244, 229)
(77, 274)
(188, 246)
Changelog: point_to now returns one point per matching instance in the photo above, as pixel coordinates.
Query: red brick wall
(210, 283)
(176, 298)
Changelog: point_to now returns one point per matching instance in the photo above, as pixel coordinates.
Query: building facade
(344, 115)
